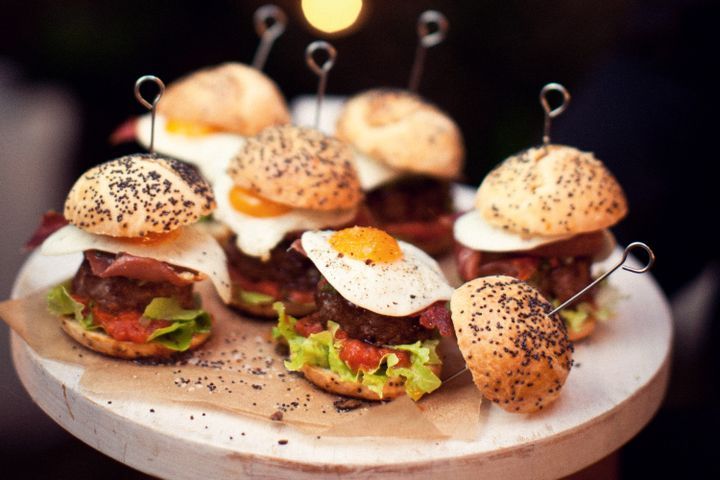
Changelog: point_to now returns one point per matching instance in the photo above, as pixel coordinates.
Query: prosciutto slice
(105, 265)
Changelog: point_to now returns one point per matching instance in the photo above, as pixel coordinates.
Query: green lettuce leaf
(61, 303)
(254, 298)
(178, 335)
(323, 350)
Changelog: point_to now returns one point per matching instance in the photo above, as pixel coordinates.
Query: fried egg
(408, 284)
(471, 230)
(256, 235)
(190, 248)
(210, 151)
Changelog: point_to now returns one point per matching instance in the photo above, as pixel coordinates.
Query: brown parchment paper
(240, 370)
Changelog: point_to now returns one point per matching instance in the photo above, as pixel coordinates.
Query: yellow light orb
(331, 16)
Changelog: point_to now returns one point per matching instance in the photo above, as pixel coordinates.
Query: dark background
(645, 100)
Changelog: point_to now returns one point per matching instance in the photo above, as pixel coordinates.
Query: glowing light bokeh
(331, 16)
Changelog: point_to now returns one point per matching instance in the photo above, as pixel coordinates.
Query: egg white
(256, 236)
(471, 230)
(210, 152)
(395, 289)
(192, 248)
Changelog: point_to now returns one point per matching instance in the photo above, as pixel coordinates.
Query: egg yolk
(190, 129)
(247, 202)
(153, 238)
(366, 244)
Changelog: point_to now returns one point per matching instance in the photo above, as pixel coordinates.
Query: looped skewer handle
(427, 38)
(150, 106)
(320, 70)
(626, 253)
(270, 22)
(551, 113)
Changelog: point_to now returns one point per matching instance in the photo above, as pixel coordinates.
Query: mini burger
(542, 216)
(381, 304)
(204, 117)
(132, 296)
(406, 151)
(518, 355)
(284, 181)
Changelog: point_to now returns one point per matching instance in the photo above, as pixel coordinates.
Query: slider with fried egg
(205, 117)
(407, 152)
(381, 306)
(132, 296)
(284, 181)
(542, 216)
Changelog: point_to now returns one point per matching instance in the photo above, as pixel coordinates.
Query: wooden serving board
(616, 387)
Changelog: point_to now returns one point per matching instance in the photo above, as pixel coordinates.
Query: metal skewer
(552, 113)
(621, 263)
(150, 106)
(426, 39)
(270, 22)
(320, 70)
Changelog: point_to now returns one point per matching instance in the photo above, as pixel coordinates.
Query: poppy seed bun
(230, 97)
(105, 344)
(551, 190)
(330, 381)
(399, 129)
(299, 167)
(136, 195)
(519, 357)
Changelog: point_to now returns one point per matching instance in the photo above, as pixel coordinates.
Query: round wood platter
(616, 387)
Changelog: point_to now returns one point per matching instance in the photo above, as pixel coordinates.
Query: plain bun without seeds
(551, 190)
(136, 195)
(399, 129)
(105, 344)
(230, 97)
(299, 167)
(519, 356)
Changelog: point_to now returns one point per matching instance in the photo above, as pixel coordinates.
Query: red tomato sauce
(307, 327)
(359, 355)
(124, 326)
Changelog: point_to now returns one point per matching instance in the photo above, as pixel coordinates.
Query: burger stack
(333, 237)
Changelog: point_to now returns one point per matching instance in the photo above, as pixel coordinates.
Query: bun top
(551, 190)
(231, 97)
(299, 167)
(519, 357)
(136, 195)
(403, 131)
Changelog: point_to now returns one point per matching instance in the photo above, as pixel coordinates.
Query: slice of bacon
(138, 268)
(125, 132)
(51, 222)
(437, 316)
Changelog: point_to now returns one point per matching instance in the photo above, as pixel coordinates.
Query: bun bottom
(587, 328)
(266, 310)
(105, 344)
(331, 382)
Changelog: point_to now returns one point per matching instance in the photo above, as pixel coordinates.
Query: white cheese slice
(372, 173)
(474, 232)
(256, 236)
(191, 248)
(210, 152)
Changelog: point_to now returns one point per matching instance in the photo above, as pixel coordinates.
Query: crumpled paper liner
(241, 370)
